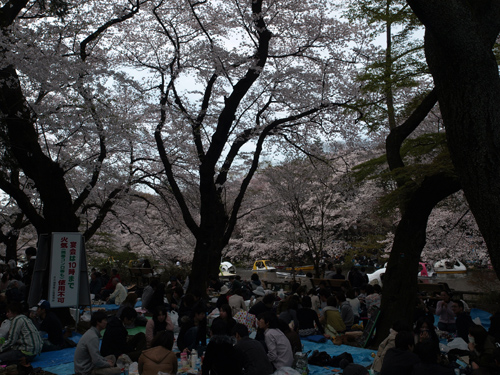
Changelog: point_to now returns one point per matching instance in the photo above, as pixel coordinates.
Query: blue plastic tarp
(360, 356)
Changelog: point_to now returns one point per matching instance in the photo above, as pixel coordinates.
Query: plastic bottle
(281, 293)
(194, 358)
(301, 363)
(183, 359)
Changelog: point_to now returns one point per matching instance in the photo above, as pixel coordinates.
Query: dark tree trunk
(11, 245)
(48, 176)
(210, 239)
(459, 39)
(400, 280)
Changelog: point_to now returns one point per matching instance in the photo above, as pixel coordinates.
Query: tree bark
(47, 175)
(400, 279)
(459, 39)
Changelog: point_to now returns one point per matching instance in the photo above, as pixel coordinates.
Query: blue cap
(43, 304)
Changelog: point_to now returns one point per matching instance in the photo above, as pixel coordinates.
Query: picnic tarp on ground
(360, 356)
(61, 362)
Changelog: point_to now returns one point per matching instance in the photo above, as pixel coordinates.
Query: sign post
(64, 281)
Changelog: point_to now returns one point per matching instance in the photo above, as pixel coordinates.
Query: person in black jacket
(308, 319)
(115, 340)
(265, 305)
(252, 353)
(400, 359)
(51, 324)
(221, 357)
(463, 321)
(428, 352)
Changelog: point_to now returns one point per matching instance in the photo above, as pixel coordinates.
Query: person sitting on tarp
(463, 320)
(116, 341)
(120, 293)
(109, 287)
(331, 318)
(95, 285)
(88, 360)
(47, 321)
(252, 353)
(193, 333)
(24, 341)
(400, 359)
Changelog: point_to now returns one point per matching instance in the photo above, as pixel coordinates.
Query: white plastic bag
(123, 361)
(133, 369)
(457, 343)
(174, 317)
(4, 328)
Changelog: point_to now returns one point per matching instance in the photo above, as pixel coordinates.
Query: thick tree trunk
(400, 280)
(210, 236)
(48, 176)
(459, 39)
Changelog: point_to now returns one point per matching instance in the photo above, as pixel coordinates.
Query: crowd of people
(24, 332)
(209, 328)
(220, 329)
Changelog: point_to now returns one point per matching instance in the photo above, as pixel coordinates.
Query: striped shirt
(23, 336)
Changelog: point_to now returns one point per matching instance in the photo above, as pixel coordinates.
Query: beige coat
(157, 359)
(388, 343)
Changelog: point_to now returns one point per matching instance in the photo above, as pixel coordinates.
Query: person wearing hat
(51, 324)
(24, 341)
(258, 295)
(222, 300)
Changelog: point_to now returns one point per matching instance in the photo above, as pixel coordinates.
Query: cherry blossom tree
(67, 130)
(271, 70)
(306, 210)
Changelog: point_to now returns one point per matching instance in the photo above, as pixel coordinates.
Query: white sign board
(65, 269)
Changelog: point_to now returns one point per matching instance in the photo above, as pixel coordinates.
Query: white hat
(224, 289)
(259, 291)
